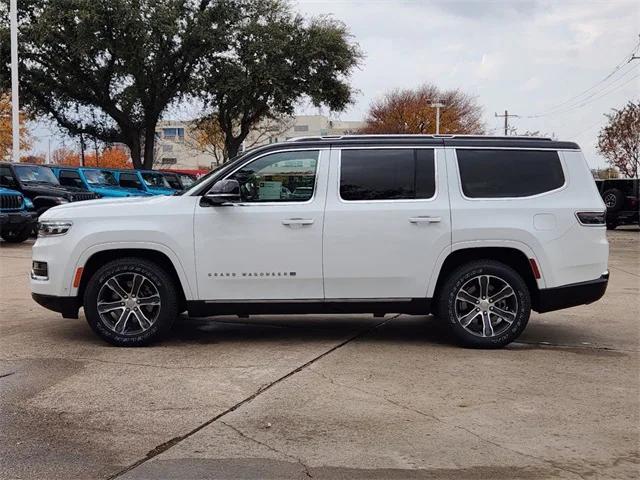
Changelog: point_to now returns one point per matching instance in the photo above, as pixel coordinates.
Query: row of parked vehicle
(27, 190)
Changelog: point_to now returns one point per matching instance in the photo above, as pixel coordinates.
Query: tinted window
(286, 176)
(6, 177)
(130, 180)
(508, 173)
(387, 174)
(70, 179)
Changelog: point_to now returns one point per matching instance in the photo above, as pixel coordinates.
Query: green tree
(109, 68)
(276, 59)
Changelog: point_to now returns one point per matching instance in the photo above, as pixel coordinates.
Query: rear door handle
(297, 221)
(425, 219)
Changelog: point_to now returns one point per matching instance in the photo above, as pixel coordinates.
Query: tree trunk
(134, 150)
(232, 145)
(149, 145)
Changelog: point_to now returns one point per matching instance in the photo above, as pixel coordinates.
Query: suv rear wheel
(485, 303)
(131, 302)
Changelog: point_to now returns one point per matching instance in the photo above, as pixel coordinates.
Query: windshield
(100, 177)
(35, 173)
(154, 180)
(187, 180)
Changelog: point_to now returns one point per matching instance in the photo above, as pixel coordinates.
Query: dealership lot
(332, 397)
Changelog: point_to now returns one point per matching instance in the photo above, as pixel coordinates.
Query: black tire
(157, 279)
(516, 307)
(611, 225)
(17, 236)
(613, 199)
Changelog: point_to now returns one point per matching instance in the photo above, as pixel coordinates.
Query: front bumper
(67, 306)
(566, 296)
(17, 220)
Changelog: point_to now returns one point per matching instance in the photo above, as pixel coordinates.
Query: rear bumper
(67, 306)
(572, 295)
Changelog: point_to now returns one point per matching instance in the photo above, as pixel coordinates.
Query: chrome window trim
(390, 200)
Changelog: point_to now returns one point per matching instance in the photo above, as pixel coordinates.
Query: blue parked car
(98, 180)
(149, 181)
(17, 216)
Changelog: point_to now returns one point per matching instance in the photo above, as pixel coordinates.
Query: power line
(627, 59)
(597, 95)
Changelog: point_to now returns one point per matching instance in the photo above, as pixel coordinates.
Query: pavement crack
(266, 445)
(175, 440)
(7, 374)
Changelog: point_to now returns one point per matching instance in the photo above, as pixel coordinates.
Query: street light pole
(437, 105)
(15, 106)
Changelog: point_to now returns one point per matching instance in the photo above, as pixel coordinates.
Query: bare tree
(208, 137)
(410, 111)
(619, 141)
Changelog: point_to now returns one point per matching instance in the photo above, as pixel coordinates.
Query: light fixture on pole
(15, 106)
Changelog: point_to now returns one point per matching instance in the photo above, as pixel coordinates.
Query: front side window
(508, 173)
(387, 174)
(279, 177)
(35, 174)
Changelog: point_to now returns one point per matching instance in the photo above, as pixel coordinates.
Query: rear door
(387, 220)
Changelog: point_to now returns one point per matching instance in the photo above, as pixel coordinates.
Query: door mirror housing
(223, 192)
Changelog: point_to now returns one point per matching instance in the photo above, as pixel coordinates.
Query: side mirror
(222, 193)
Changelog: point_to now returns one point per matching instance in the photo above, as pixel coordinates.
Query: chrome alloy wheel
(128, 303)
(486, 306)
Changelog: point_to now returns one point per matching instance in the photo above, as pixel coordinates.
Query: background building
(177, 146)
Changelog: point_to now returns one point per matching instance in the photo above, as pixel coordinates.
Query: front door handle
(425, 219)
(297, 221)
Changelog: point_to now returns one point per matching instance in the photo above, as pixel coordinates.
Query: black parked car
(622, 198)
(40, 185)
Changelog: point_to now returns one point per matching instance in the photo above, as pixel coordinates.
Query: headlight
(50, 228)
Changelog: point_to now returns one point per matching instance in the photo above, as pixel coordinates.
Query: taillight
(592, 219)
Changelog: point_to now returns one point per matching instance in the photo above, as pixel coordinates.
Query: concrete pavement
(332, 397)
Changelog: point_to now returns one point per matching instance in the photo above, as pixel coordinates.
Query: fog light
(39, 270)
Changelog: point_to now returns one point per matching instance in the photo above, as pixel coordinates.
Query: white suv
(477, 230)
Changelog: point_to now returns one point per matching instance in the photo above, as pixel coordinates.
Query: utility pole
(437, 105)
(506, 120)
(15, 106)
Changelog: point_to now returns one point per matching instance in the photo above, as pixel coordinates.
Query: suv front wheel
(131, 302)
(485, 303)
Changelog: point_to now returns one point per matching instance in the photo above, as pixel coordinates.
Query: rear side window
(387, 174)
(508, 173)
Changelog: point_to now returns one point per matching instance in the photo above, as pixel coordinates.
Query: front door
(386, 222)
(269, 245)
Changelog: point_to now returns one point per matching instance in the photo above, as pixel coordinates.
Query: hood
(162, 191)
(117, 191)
(103, 206)
(6, 191)
(52, 190)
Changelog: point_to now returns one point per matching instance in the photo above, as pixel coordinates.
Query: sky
(532, 58)
(528, 57)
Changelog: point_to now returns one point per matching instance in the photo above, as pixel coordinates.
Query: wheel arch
(511, 256)
(99, 258)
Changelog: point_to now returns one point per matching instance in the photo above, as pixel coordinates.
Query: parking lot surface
(323, 397)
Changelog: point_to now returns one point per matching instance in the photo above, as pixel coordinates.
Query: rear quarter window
(508, 173)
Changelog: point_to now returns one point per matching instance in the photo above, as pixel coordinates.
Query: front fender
(158, 247)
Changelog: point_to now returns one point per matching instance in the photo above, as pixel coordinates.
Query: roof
(437, 140)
